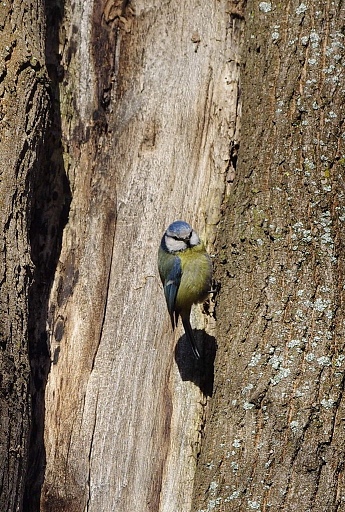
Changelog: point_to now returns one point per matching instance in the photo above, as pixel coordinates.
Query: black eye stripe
(180, 239)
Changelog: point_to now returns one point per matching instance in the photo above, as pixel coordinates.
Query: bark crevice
(50, 198)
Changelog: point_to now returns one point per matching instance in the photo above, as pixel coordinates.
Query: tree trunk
(275, 435)
(148, 99)
(31, 225)
(120, 119)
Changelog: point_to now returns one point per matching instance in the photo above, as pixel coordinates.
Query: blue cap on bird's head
(179, 228)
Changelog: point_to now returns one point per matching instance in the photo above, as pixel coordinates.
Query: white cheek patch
(174, 245)
(194, 239)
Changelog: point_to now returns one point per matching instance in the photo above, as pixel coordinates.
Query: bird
(185, 270)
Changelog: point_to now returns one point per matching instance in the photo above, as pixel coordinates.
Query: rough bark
(149, 135)
(275, 437)
(24, 113)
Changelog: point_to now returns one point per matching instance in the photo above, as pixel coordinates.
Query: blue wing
(171, 286)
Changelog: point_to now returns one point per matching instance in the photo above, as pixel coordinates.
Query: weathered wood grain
(148, 127)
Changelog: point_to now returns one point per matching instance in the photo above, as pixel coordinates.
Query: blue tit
(186, 272)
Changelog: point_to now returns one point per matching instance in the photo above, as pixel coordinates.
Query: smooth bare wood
(149, 135)
(275, 438)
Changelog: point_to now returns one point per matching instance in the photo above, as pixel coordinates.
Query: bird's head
(179, 236)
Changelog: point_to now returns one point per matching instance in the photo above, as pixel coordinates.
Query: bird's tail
(190, 335)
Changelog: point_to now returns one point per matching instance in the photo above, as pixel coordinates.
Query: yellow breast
(196, 277)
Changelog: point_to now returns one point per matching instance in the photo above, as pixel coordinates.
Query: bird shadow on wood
(199, 371)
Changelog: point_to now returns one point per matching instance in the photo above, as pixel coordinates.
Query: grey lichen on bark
(275, 437)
